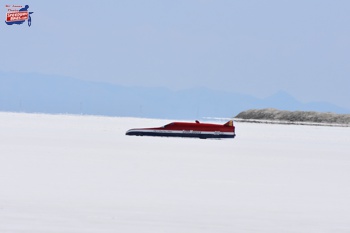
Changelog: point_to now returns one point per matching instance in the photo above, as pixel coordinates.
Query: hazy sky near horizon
(252, 46)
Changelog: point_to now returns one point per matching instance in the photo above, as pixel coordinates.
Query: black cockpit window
(165, 126)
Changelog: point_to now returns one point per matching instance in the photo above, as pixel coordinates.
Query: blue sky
(252, 47)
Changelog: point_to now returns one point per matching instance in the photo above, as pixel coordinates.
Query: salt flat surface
(62, 173)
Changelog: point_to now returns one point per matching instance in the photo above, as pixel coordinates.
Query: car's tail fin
(229, 123)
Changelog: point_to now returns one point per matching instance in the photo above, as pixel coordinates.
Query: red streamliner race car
(188, 129)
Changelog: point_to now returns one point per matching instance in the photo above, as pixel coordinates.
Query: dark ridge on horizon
(294, 116)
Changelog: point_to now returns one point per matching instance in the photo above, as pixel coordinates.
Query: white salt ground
(62, 173)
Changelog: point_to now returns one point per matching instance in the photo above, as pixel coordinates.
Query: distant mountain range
(57, 94)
